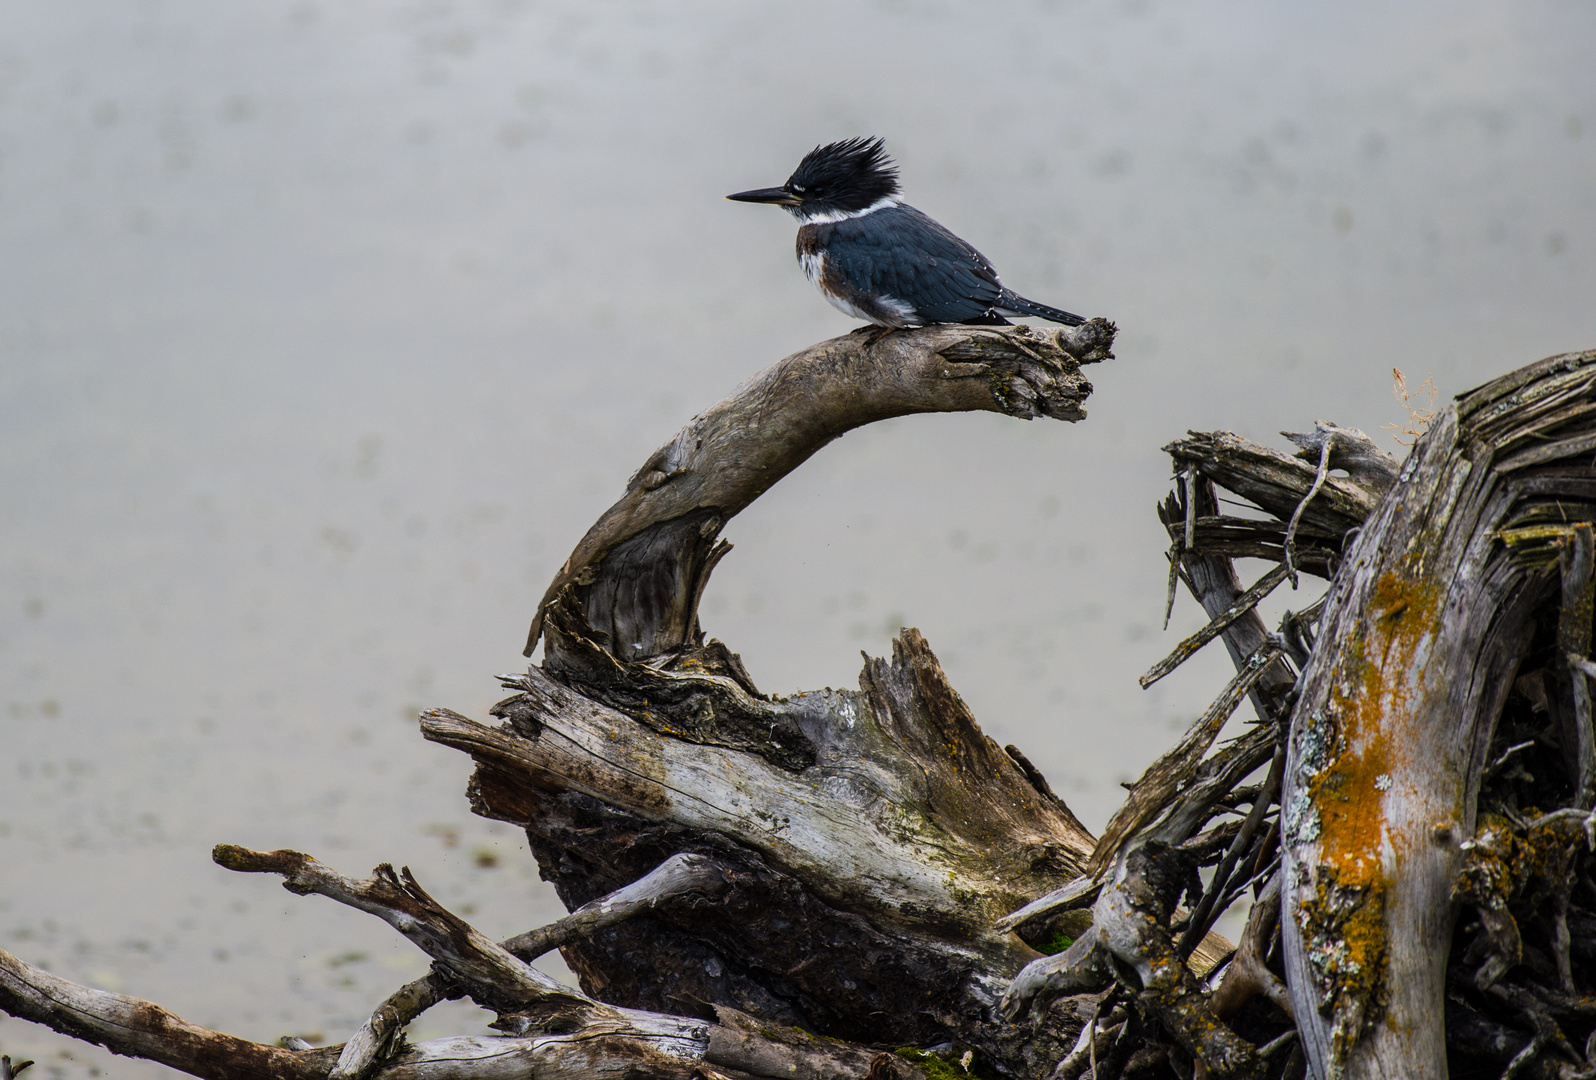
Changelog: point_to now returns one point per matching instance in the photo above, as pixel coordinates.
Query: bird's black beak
(773, 195)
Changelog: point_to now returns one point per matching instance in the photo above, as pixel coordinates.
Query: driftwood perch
(876, 834)
(849, 850)
(640, 569)
(860, 883)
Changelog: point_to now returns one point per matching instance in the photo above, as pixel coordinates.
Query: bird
(877, 258)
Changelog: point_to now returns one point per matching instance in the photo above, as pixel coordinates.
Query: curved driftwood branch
(1430, 620)
(884, 816)
(641, 567)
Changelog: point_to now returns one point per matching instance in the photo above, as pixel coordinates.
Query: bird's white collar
(830, 217)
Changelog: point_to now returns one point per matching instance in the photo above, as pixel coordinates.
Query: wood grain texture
(1429, 621)
(893, 851)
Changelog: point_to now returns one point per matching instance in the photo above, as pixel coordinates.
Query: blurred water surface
(327, 328)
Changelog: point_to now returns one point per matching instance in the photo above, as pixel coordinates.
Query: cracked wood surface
(909, 811)
(870, 867)
(1394, 723)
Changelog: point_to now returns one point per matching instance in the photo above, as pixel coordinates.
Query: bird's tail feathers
(1012, 304)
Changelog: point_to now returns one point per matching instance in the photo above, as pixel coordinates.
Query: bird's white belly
(897, 312)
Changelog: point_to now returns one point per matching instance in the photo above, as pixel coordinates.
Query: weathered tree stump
(1431, 620)
(875, 835)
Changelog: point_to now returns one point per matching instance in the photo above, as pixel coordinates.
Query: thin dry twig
(1151, 794)
(1507, 755)
(730, 454)
(1174, 576)
(1207, 911)
(1296, 515)
(1187, 542)
(1188, 648)
(1091, 1042)
(1190, 540)
(1100, 1032)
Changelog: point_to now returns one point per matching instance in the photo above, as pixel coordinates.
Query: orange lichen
(1359, 738)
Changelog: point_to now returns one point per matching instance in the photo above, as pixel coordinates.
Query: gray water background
(327, 328)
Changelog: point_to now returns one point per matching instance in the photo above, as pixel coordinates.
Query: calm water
(327, 328)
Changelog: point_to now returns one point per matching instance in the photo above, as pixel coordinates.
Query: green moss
(932, 1065)
(1055, 944)
(952, 1067)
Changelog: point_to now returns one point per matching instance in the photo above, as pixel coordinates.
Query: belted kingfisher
(879, 259)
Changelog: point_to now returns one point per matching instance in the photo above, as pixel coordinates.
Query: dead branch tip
(245, 861)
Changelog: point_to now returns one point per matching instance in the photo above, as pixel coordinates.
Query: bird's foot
(873, 333)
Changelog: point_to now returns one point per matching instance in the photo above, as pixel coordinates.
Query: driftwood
(874, 835)
(853, 883)
(1485, 536)
(850, 850)
(641, 568)
(554, 1031)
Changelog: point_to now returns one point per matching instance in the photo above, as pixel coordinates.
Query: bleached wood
(593, 1039)
(680, 875)
(853, 825)
(886, 816)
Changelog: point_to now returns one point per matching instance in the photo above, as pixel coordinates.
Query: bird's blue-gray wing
(899, 252)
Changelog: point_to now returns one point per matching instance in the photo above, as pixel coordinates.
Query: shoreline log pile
(861, 883)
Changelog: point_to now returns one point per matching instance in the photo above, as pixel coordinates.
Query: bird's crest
(853, 171)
